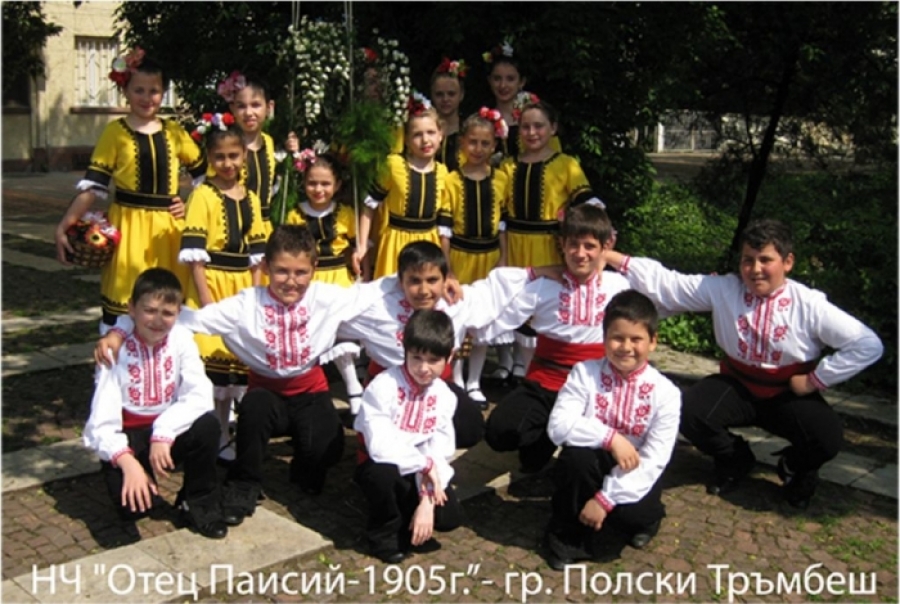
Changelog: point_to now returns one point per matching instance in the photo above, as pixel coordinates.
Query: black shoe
(204, 515)
(729, 472)
(643, 537)
(432, 545)
(395, 557)
(798, 488)
(239, 501)
(558, 563)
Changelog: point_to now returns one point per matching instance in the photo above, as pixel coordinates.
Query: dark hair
(546, 108)
(633, 306)
(419, 254)
(214, 136)
(159, 283)
(329, 161)
(255, 82)
(498, 58)
(429, 331)
(762, 232)
(150, 67)
(586, 220)
(291, 239)
(446, 74)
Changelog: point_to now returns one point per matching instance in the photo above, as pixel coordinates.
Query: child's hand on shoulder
(624, 453)
(453, 292)
(176, 208)
(106, 352)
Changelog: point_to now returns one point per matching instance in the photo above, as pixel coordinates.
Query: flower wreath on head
(504, 49)
(417, 104)
(501, 128)
(522, 100)
(209, 121)
(457, 69)
(231, 85)
(125, 65)
(305, 159)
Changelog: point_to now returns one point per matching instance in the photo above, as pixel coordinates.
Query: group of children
(528, 241)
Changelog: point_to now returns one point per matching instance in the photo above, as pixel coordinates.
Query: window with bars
(93, 61)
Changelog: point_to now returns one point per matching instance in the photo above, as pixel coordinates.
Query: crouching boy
(152, 409)
(617, 420)
(407, 440)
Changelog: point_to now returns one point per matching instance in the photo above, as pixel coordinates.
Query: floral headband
(522, 100)
(418, 104)
(125, 65)
(501, 129)
(305, 159)
(231, 85)
(457, 69)
(208, 121)
(500, 50)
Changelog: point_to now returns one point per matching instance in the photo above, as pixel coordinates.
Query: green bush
(845, 233)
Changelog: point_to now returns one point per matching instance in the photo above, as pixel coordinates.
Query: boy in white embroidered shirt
(153, 408)
(773, 331)
(617, 420)
(407, 440)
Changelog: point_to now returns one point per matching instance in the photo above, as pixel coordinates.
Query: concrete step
(17, 324)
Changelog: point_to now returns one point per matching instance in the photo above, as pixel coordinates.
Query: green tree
(25, 32)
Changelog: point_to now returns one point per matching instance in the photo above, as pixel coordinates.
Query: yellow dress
(538, 191)
(258, 175)
(145, 171)
(413, 203)
(450, 154)
(335, 232)
(477, 207)
(225, 231)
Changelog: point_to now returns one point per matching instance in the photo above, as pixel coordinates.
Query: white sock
(476, 365)
(524, 356)
(458, 373)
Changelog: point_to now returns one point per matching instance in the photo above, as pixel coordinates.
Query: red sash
(134, 421)
(761, 382)
(553, 360)
(312, 381)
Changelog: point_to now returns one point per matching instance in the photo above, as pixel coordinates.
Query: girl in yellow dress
(476, 195)
(223, 238)
(543, 183)
(334, 227)
(140, 155)
(411, 192)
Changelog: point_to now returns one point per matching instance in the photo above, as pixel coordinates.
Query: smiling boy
(773, 332)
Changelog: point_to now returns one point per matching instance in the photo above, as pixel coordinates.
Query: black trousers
(198, 448)
(393, 499)
(720, 402)
(311, 421)
(519, 422)
(578, 474)
(468, 422)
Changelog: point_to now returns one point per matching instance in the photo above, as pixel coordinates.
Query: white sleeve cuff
(502, 227)
(89, 185)
(445, 232)
(193, 255)
(198, 181)
(255, 259)
(595, 201)
(371, 202)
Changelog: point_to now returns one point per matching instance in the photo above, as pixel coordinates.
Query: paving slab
(15, 364)
(847, 468)
(72, 354)
(868, 407)
(16, 324)
(30, 230)
(882, 481)
(262, 540)
(38, 263)
(12, 593)
(31, 467)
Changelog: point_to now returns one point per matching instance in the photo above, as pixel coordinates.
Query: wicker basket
(93, 240)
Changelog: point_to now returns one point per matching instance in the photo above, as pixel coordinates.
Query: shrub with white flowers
(392, 67)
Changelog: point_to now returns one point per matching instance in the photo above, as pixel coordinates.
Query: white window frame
(93, 61)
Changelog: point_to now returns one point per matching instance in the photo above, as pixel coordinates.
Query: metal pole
(295, 22)
(348, 14)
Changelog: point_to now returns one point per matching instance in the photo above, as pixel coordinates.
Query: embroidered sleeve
(573, 420)
(197, 220)
(195, 391)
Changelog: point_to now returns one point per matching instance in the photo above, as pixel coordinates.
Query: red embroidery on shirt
(645, 389)
(637, 429)
(776, 355)
(151, 373)
(642, 410)
(743, 324)
(783, 303)
(780, 333)
(287, 336)
(748, 299)
(581, 304)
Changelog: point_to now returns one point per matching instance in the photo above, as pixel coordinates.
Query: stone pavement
(56, 512)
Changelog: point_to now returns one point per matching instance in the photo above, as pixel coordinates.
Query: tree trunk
(761, 160)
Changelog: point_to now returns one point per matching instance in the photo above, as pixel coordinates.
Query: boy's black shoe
(643, 537)
(204, 515)
(730, 471)
(389, 556)
(239, 501)
(798, 487)
(432, 545)
(556, 562)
